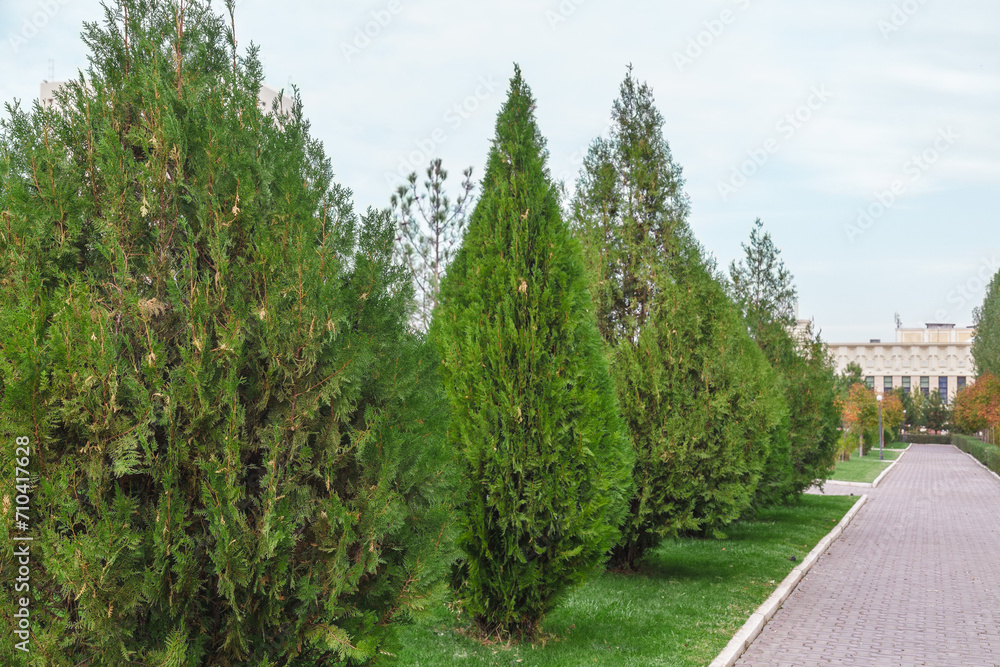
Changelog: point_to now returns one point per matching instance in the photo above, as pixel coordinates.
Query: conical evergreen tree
(805, 443)
(986, 344)
(238, 452)
(692, 386)
(533, 410)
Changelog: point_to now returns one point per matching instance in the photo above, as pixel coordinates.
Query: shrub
(924, 439)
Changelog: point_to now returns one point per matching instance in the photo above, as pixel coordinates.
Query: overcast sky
(864, 133)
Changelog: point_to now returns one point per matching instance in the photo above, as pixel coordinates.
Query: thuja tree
(237, 449)
(986, 344)
(806, 441)
(532, 407)
(692, 386)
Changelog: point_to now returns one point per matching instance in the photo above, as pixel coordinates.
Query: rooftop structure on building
(938, 357)
(802, 329)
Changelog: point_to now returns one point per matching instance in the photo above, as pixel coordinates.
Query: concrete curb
(872, 485)
(890, 467)
(745, 636)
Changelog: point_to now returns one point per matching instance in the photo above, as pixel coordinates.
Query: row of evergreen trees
(243, 452)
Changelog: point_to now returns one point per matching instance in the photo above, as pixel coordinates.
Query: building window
(906, 384)
(961, 382)
(943, 388)
(870, 382)
(887, 383)
(925, 385)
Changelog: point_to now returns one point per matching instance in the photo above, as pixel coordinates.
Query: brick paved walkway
(914, 580)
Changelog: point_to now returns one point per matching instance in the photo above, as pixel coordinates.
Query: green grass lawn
(864, 469)
(872, 455)
(681, 609)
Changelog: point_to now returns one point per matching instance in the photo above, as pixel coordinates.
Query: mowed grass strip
(681, 608)
(863, 469)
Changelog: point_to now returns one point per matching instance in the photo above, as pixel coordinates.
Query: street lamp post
(881, 436)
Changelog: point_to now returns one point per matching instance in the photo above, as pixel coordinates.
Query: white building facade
(936, 358)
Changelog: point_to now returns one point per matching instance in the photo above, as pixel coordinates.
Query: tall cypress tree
(533, 410)
(237, 448)
(692, 386)
(806, 441)
(986, 344)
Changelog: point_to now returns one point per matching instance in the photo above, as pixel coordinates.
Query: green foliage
(533, 411)
(847, 444)
(986, 344)
(805, 443)
(430, 228)
(692, 386)
(763, 288)
(815, 418)
(915, 413)
(238, 448)
(851, 376)
(906, 401)
(936, 412)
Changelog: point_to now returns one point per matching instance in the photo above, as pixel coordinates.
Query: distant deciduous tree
(968, 415)
(977, 406)
(936, 412)
(860, 412)
(892, 414)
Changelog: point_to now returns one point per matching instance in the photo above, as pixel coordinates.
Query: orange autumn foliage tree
(859, 410)
(892, 412)
(977, 406)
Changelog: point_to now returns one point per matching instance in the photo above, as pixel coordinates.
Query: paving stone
(914, 580)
